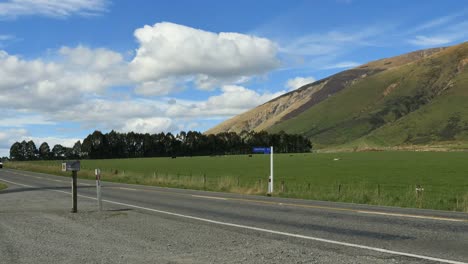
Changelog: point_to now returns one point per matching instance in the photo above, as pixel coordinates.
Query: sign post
(97, 172)
(74, 167)
(270, 181)
(266, 150)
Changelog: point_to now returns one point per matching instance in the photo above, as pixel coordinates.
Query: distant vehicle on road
(1, 164)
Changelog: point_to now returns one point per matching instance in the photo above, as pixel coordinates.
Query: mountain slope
(416, 98)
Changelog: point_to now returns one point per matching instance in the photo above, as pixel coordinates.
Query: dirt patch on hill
(462, 64)
(390, 89)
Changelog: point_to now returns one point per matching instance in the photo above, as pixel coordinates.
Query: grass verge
(378, 178)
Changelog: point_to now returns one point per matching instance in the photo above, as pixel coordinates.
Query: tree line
(136, 145)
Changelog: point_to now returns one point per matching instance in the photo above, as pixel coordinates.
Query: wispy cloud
(342, 65)
(332, 41)
(429, 41)
(437, 22)
(448, 34)
(439, 31)
(52, 8)
(6, 37)
(21, 121)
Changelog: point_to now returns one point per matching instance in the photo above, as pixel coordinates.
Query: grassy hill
(416, 99)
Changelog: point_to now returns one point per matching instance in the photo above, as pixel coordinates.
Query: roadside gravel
(36, 226)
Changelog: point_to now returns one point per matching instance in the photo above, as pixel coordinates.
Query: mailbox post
(74, 192)
(74, 167)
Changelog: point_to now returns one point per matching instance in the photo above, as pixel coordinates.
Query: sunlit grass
(380, 178)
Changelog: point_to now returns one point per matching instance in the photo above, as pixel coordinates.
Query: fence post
(204, 181)
(282, 186)
(339, 188)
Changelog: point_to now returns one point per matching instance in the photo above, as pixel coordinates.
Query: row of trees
(133, 145)
(26, 150)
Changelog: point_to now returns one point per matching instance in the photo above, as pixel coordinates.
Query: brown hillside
(296, 102)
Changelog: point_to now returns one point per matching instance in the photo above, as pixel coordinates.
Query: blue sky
(69, 67)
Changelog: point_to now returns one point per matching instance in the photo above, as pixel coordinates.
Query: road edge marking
(210, 197)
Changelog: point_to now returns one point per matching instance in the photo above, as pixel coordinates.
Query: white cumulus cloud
(51, 85)
(293, 84)
(160, 87)
(233, 100)
(149, 125)
(8, 137)
(168, 50)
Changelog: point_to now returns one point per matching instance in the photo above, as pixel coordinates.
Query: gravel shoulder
(36, 226)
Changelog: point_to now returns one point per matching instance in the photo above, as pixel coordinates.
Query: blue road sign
(261, 150)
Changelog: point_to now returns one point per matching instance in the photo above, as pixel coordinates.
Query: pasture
(381, 178)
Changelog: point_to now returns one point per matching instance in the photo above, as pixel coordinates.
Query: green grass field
(383, 178)
(2, 186)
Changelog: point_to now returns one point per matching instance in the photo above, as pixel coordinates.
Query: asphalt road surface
(143, 224)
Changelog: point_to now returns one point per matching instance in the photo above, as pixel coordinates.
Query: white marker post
(270, 180)
(97, 172)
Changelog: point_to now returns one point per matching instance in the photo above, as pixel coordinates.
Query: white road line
(209, 197)
(20, 184)
(130, 189)
(334, 242)
(413, 216)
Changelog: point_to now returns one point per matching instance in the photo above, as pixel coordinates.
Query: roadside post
(74, 167)
(266, 150)
(97, 172)
(270, 181)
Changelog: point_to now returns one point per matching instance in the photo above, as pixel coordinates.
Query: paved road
(209, 227)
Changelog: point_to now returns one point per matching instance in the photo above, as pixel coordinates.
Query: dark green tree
(16, 152)
(59, 152)
(76, 151)
(44, 151)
